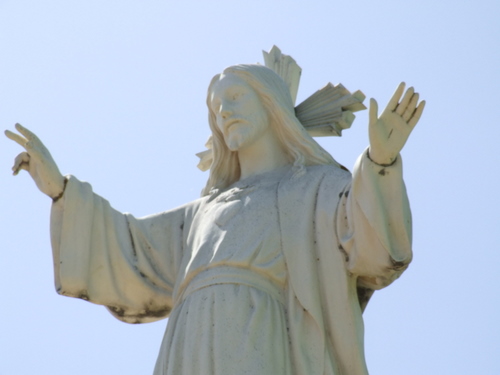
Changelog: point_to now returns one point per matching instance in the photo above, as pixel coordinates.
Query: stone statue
(269, 271)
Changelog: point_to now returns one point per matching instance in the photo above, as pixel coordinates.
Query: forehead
(227, 83)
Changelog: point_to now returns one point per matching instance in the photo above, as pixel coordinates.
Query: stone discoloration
(148, 312)
(342, 250)
(398, 266)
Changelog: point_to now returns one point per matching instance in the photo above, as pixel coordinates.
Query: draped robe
(342, 237)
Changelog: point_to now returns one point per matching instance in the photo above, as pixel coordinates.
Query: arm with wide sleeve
(126, 264)
(374, 223)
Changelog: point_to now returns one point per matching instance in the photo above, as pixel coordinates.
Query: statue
(270, 270)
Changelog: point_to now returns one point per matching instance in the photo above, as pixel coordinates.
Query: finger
(393, 103)
(373, 111)
(16, 138)
(406, 99)
(410, 110)
(416, 116)
(30, 136)
(21, 161)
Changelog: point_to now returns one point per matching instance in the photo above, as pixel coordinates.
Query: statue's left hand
(390, 131)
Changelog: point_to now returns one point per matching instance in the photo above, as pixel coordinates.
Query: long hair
(299, 146)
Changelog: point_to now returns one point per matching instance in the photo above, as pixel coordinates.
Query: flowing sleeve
(113, 259)
(374, 223)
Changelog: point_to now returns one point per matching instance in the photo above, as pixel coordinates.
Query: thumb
(373, 114)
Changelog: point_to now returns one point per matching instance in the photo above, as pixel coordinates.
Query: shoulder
(314, 180)
(328, 173)
(182, 212)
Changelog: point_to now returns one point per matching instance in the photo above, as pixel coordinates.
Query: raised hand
(38, 162)
(389, 132)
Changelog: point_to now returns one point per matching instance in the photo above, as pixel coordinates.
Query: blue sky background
(116, 90)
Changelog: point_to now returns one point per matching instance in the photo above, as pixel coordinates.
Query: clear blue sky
(116, 90)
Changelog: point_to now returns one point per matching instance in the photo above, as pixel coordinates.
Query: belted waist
(231, 275)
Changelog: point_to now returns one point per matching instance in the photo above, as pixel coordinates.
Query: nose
(225, 110)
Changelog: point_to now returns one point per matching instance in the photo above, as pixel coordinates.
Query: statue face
(239, 112)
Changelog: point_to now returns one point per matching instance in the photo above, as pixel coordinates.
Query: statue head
(275, 99)
(240, 115)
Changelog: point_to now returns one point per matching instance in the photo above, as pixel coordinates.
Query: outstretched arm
(389, 132)
(38, 162)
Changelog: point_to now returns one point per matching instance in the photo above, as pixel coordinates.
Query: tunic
(236, 282)
(275, 269)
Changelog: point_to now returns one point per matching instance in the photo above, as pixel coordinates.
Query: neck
(263, 156)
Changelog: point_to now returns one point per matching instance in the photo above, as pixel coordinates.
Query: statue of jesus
(269, 271)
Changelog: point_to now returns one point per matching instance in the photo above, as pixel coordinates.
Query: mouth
(230, 124)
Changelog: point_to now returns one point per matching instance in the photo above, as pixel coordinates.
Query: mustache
(232, 121)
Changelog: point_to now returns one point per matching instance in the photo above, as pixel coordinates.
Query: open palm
(389, 132)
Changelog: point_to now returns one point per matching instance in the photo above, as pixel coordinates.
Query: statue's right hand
(38, 162)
